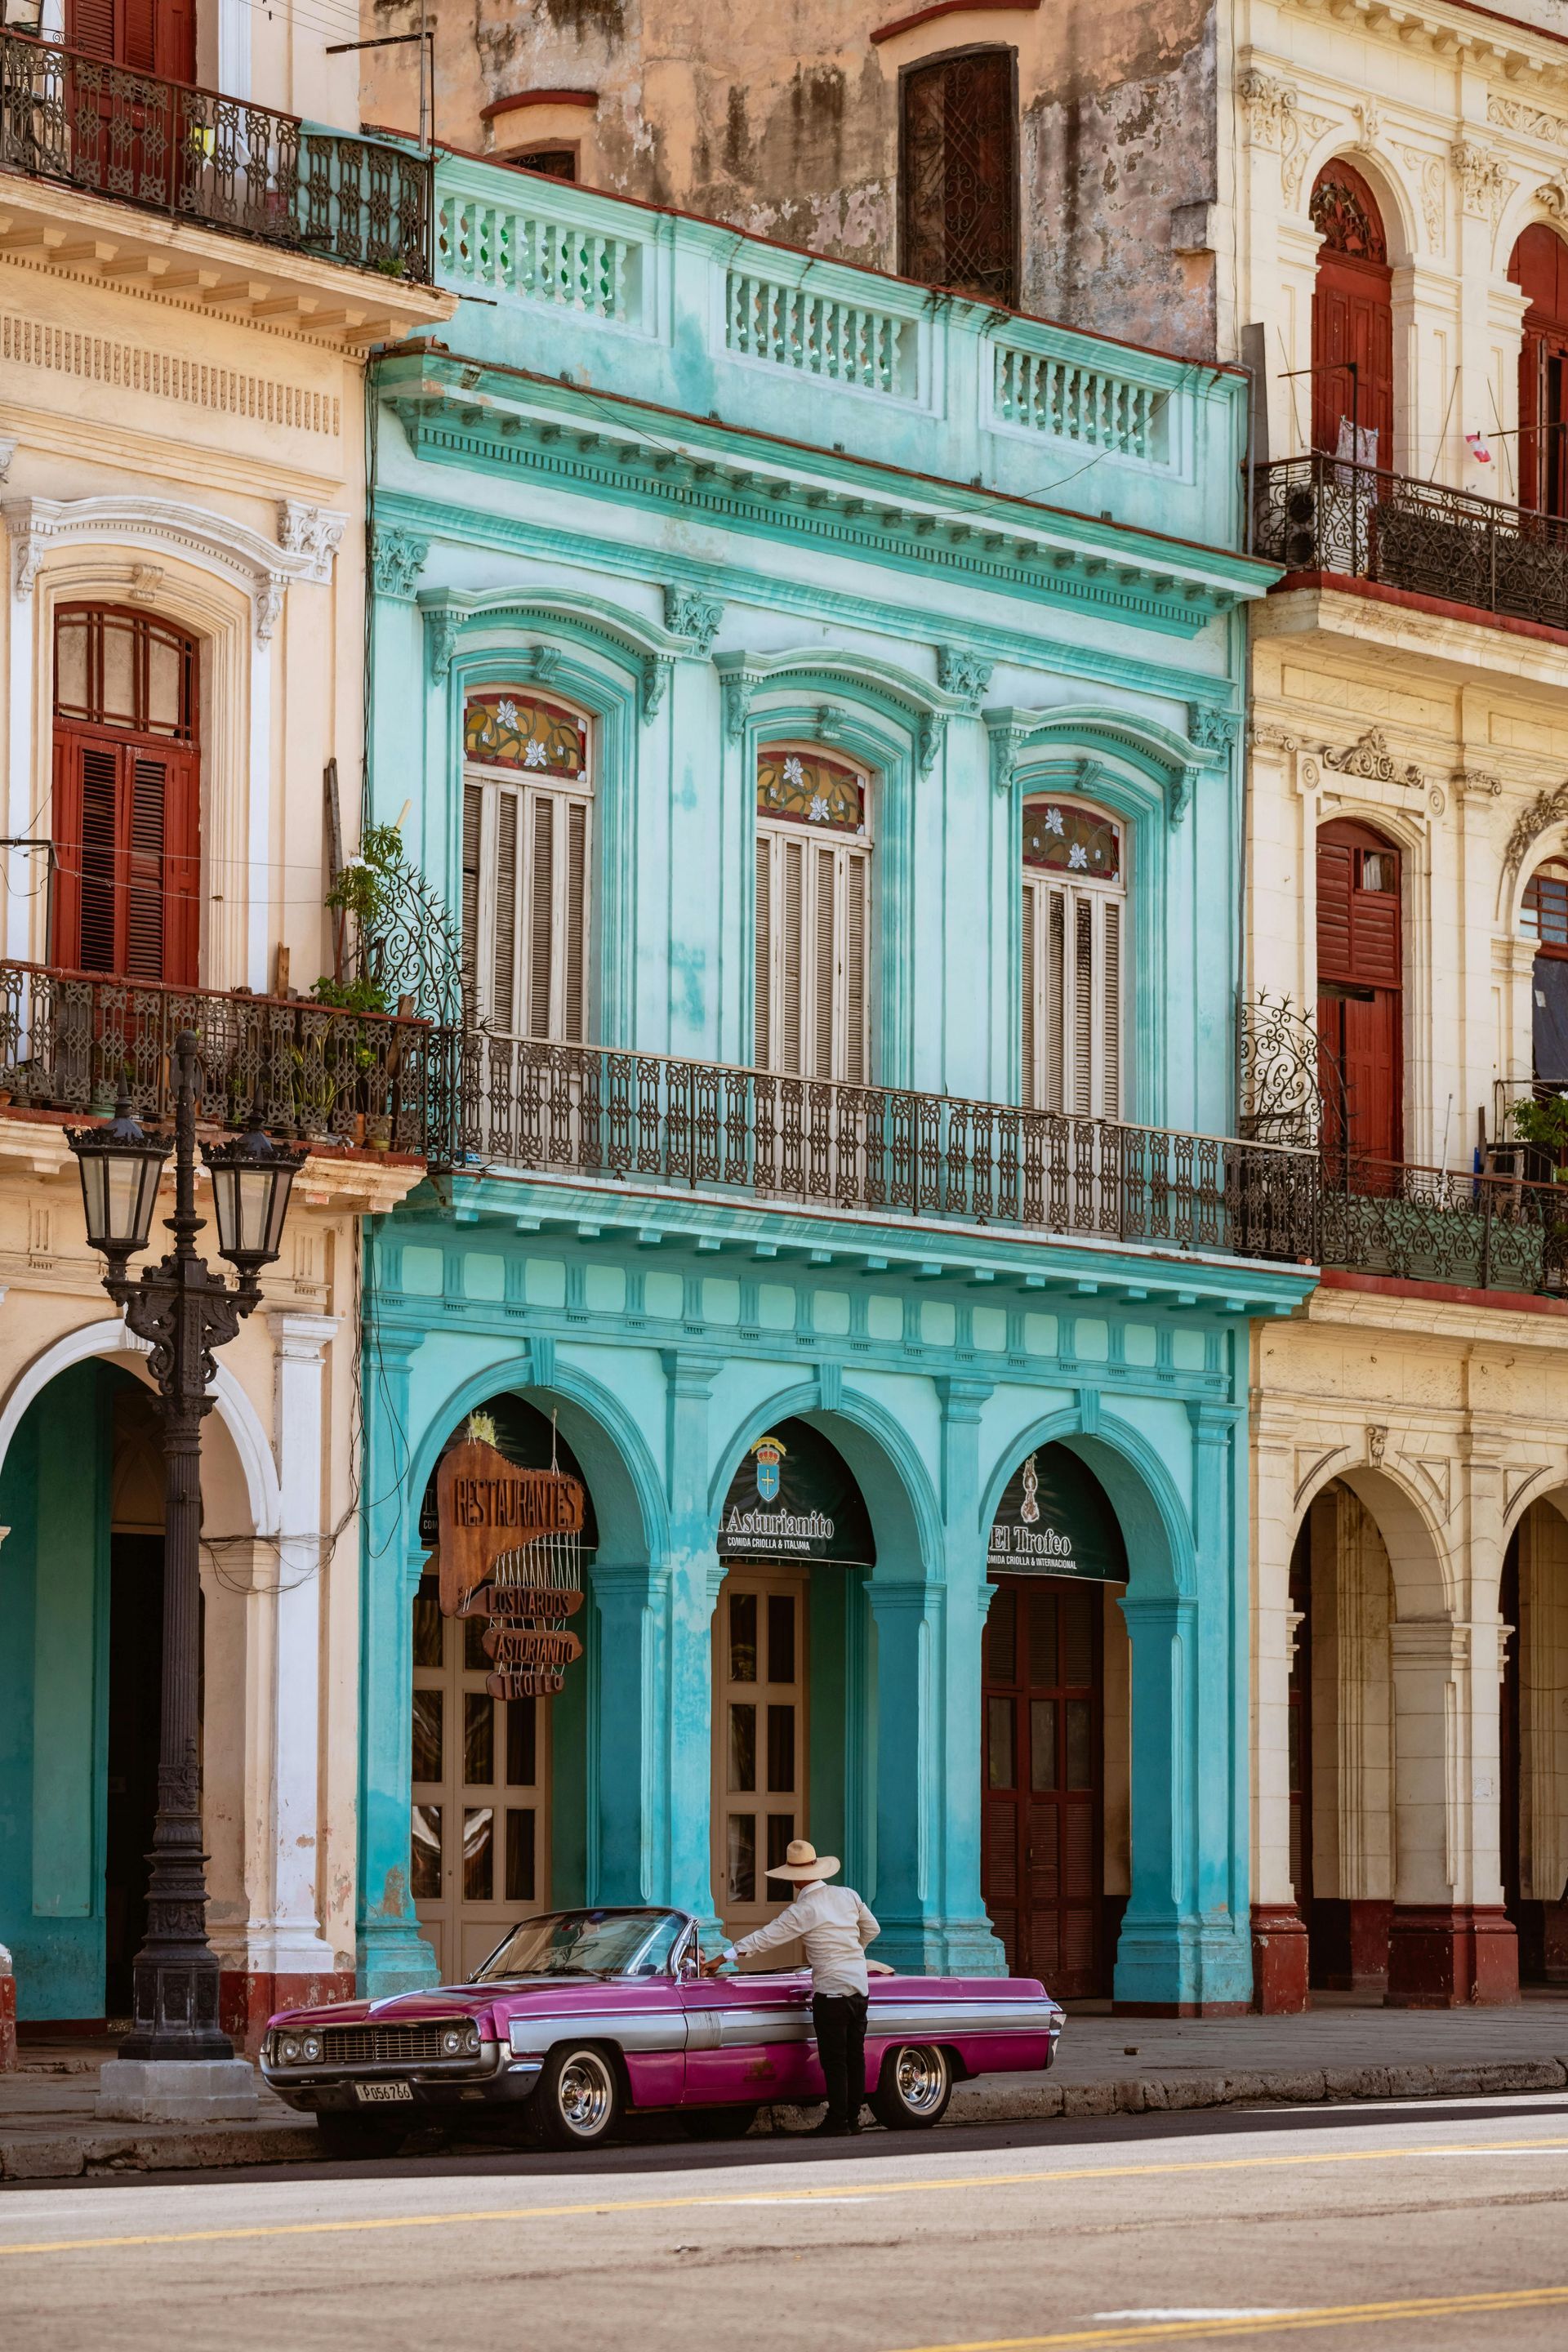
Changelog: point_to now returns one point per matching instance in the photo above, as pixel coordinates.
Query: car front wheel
(915, 2086)
(578, 2101)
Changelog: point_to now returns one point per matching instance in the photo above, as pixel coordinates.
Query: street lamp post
(184, 1311)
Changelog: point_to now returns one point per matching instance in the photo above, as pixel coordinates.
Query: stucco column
(1184, 1947)
(680, 1790)
(910, 1612)
(626, 1859)
(1278, 1932)
(969, 1944)
(392, 1955)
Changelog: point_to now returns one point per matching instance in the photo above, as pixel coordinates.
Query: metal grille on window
(813, 917)
(1075, 886)
(527, 847)
(959, 174)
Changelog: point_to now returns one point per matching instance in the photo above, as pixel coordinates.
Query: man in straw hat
(836, 1926)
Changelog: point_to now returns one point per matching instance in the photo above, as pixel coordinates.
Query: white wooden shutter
(813, 942)
(1072, 1010)
(527, 852)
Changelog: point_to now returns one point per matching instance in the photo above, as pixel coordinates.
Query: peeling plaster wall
(786, 121)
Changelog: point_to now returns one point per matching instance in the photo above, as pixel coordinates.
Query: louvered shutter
(1110, 1010)
(1073, 991)
(792, 945)
(1031, 995)
(826, 963)
(857, 929)
(764, 952)
(89, 27)
(540, 906)
(473, 817)
(502, 968)
(575, 923)
(1336, 863)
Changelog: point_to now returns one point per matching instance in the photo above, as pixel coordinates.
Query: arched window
(526, 847)
(1353, 320)
(1539, 267)
(814, 915)
(1075, 899)
(127, 868)
(1360, 990)
(958, 172)
(1545, 919)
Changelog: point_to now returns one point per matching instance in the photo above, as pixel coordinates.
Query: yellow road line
(837, 2194)
(1264, 2323)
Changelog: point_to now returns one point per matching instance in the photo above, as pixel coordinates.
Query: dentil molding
(309, 537)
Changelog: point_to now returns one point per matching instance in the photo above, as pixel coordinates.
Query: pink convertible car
(582, 2015)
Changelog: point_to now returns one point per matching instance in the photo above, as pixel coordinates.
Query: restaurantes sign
(509, 1547)
(1056, 1519)
(793, 1497)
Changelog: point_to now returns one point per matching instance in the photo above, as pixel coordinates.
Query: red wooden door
(1352, 316)
(1041, 1872)
(1360, 997)
(155, 37)
(1540, 269)
(126, 797)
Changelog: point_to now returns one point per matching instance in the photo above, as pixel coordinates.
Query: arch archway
(1533, 1782)
(1353, 320)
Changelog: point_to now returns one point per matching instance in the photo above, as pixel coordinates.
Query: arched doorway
(1057, 1559)
(790, 1641)
(1352, 322)
(481, 1849)
(1360, 1022)
(1534, 1750)
(81, 1586)
(1539, 267)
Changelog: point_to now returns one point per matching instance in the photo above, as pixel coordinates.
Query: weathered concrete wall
(786, 121)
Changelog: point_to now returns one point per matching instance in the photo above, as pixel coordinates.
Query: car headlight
(311, 2048)
(287, 2050)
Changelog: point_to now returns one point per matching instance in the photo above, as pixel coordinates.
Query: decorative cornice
(962, 675)
(1212, 730)
(688, 613)
(195, 534)
(1011, 732)
(1484, 182)
(314, 533)
(1475, 783)
(947, 531)
(1372, 758)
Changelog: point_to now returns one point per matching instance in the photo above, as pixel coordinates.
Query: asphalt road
(1398, 2226)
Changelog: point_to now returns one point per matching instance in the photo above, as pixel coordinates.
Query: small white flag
(1479, 450)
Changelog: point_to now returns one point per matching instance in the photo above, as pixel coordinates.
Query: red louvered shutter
(1335, 865)
(175, 39)
(90, 28)
(1360, 995)
(1539, 267)
(182, 870)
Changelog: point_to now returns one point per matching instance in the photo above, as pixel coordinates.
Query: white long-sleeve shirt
(833, 1924)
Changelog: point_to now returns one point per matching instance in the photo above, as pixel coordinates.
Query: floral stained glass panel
(521, 732)
(806, 788)
(1060, 839)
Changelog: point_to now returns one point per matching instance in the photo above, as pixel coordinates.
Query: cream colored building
(187, 295)
(1409, 692)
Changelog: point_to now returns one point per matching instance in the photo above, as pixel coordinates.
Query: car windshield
(587, 1944)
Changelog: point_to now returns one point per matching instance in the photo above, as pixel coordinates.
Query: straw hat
(802, 1864)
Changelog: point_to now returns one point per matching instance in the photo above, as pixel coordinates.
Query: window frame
(1016, 240)
(1041, 881)
(526, 788)
(860, 848)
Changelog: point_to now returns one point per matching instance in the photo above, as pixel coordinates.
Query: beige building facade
(187, 294)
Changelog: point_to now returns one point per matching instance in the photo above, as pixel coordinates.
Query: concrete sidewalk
(1341, 2050)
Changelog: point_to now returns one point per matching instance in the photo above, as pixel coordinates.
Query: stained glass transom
(523, 733)
(1061, 839)
(804, 788)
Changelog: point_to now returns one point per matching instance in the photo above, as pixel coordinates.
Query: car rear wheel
(578, 2101)
(914, 2088)
(351, 2134)
(717, 2123)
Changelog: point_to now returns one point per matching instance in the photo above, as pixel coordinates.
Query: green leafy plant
(360, 994)
(1543, 1121)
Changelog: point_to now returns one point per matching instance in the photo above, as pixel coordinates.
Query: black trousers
(840, 2018)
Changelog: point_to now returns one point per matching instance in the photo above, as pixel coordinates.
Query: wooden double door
(1041, 1840)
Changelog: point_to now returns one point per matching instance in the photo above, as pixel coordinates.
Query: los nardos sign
(509, 1549)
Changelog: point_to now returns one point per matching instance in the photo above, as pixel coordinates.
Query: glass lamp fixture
(121, 1166)
(250, 1180)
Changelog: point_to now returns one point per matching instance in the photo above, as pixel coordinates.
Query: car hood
(510, 1993)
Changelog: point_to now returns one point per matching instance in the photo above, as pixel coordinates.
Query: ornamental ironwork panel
(221, 162)
(1324, 514)
(959, 174)
(78, 1041)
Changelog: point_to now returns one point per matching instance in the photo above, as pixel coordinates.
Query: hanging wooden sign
(487, 1507)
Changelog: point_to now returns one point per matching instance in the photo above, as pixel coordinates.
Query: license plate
(381, 2094)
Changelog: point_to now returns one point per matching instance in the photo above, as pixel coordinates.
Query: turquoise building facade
(818, 699)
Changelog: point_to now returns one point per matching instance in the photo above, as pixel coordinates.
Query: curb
(26, 2155)
(998, 2101)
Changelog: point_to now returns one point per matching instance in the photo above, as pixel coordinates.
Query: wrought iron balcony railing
(75, 1041)
(592, 1112)
(219, 162)
(1323, 514)
(1427, 1225)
